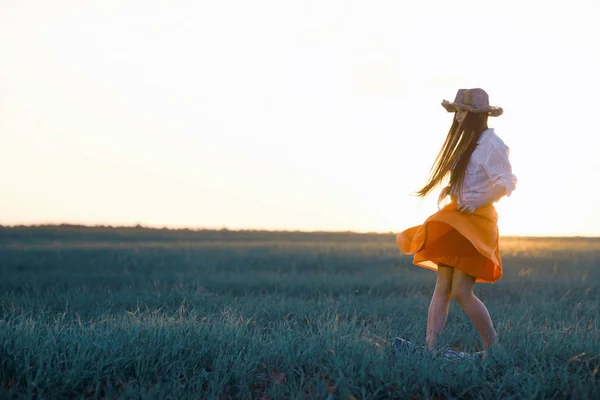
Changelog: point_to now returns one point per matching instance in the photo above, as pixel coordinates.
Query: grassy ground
(130, 313)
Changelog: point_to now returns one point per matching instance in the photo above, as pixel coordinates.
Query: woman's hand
(495, 194)
(469, 207)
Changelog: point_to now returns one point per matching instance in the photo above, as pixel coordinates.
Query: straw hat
(474, 100)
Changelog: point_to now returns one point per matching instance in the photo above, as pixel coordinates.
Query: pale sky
(296, 115)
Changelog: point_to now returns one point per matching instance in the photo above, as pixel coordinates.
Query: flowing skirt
(467, 242)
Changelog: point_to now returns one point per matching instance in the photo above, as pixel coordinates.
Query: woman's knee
(462, 294)
(462, 287)
(443, 285)
(443, 292)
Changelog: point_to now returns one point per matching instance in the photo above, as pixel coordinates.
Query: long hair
(455, 154)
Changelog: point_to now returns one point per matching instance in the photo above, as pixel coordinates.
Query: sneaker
(460, 355)
(478, 355)
(403, 345)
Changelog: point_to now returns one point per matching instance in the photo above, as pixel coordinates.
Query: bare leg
(438, 308)
(462, 291)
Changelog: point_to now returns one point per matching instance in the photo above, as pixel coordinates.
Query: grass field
(140, 313)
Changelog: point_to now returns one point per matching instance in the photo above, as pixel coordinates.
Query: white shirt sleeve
(499, 169)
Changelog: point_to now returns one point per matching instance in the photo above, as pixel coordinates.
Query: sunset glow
(304, 115)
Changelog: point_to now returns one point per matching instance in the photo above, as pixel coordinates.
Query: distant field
(130, 313)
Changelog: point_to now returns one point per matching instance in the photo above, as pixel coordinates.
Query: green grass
(130, 313)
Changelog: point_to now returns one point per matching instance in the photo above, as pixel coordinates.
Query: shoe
(459, 355)
(403, 345)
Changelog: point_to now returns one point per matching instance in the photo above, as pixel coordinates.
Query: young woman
(460, 241)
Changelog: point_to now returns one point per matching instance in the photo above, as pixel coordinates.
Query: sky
(289, 115)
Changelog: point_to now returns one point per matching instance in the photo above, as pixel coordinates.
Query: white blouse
(488, 166)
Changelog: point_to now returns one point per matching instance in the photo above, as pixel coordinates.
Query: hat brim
(490, 110)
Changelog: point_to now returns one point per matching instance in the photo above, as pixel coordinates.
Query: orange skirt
(468, 242)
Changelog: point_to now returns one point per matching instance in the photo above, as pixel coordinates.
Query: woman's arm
(492, 196)
(499, 171)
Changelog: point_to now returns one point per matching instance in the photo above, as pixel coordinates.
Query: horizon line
(139, 226)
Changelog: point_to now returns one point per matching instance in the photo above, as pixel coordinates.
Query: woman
(460, 241)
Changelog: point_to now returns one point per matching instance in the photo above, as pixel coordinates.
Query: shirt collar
(485, 133)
